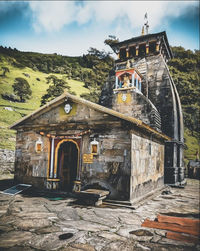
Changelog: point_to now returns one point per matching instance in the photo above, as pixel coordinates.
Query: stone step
(92, 196)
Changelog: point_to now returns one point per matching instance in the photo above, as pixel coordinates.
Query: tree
(111, 40)
(93, 95)
(5, 70)
(22, 89)
(56, 88)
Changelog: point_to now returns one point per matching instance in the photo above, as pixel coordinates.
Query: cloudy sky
(71, 27)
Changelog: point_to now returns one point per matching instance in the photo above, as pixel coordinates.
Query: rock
(26, 75)
(156, 238)
(8, 109)
(141, 232)
(119, 245)
(83, 247)
(20, 248)
(105, 217)
(28, 224)
(161, 233)
(51, 241)
(48, 230)
(5, 228)
(7, 159)
(175, 242)
(68, 214)
(85, 226)
(13, 238)
(112, 236)
(129, 219)
(142, 247)
(166, 191)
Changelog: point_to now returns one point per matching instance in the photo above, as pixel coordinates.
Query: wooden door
(67, 163)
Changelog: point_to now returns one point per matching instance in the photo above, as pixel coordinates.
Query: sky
(72, 27)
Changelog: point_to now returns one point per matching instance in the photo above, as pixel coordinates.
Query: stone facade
(157, 103)
(147, 165)
(137, 106)
(110, 169)
(129, 144)
(7, 160)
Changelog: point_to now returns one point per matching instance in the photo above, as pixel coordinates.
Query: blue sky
(71, 27)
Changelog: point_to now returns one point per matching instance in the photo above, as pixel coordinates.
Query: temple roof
(144, 38)
(66, 96)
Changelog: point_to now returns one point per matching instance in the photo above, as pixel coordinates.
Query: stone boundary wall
(7, 160)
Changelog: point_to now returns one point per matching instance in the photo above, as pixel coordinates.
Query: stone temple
(153, 95)
(130, 144)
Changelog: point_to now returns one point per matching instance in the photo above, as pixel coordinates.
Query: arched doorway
(67, 164)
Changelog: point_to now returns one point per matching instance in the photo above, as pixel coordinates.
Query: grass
(7, 118)
(192, 145)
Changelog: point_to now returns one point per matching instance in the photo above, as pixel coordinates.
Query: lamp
(94, 147)
(39, 145)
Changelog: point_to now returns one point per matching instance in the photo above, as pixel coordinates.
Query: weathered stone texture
(147, 165)
(100, 228)
(111, 167)
(114, 151)
(29, 163)
(7, 160)
(138, 106)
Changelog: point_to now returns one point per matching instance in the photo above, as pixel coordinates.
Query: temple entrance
(67, 164)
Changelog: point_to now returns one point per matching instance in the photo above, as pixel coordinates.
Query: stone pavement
(38, 223)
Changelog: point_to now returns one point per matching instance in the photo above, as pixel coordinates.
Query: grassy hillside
(184, 68)
(37, 81)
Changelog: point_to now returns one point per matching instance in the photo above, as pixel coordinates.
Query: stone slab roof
(143, 38)
(66, 96)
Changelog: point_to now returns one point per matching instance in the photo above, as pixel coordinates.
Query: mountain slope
(12, 111)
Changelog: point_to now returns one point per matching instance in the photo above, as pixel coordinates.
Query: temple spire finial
(146, 23)
(142, 31)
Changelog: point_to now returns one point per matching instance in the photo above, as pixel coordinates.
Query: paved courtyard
(38, 223)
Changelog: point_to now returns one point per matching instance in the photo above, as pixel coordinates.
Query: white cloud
(53, 15)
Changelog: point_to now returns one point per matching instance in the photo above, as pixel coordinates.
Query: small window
(38, 146)
(94, 146)
(132, 51)
(123, 53)
(152, 47)
(142, 50)
(94, 149)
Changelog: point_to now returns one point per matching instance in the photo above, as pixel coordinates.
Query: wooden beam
(170, 226)
(182, 237)
(195, 223)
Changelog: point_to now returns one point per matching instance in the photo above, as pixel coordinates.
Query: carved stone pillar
(171, 169)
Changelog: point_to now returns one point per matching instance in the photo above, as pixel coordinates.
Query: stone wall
(7, 159)
(135, 104)
(30, 166)
(111, 167)
(147, 166)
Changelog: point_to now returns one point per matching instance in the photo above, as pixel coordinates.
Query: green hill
(184, 68)
(12, 111)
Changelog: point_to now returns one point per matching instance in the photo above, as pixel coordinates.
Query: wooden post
(137, 50)
(52, 158)
(147, 48)
(127, 52)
